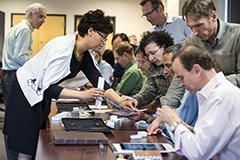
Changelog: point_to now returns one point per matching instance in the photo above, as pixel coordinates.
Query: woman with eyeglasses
(36, 82)
(152, 45)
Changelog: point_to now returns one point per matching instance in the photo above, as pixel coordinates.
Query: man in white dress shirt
(217, 130)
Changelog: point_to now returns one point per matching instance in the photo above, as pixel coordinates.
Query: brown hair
(155, 3)
(124, 47)
(198, 8)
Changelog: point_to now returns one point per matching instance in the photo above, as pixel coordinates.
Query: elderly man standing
(217, 130)
(153, 11)
(17, 48)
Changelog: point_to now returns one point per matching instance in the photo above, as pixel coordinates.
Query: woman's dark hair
(97, 21)
(108, 57)
(161, 38)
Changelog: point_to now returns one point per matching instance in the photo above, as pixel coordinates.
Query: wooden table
(48, 151)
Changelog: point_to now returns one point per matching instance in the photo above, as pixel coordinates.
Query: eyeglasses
(104, 38)
(148, 14)
(152, 52)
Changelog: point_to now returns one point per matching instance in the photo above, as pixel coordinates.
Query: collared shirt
(176, 27)
(217, 130)
(17, 47)
(225, 52)
(131, 81)
(156, 85)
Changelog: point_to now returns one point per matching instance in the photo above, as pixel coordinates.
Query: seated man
(217, 130)
(132, 79)
(106, 69)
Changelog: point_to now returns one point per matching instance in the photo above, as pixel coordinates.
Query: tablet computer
(128, 148)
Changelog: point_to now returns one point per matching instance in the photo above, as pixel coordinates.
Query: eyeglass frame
(149, 13)
(152, 52)
(104, 38)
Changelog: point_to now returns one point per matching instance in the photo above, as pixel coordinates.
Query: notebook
(69, 138)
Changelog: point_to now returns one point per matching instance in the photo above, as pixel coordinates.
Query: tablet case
(64, 137)
(68, 106)
(86, 125)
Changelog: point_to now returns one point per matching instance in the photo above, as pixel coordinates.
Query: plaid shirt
(155, 86)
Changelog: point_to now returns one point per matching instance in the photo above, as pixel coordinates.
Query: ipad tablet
(128, 148)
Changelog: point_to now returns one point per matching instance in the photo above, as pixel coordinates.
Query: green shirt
(131, 81)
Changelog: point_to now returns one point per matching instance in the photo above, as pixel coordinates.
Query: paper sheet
(101, 81)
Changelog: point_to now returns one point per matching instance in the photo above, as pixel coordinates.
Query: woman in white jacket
(36, 82)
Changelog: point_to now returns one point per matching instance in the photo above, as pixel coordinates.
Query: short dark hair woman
(36, 82)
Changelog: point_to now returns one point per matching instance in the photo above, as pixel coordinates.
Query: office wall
(2, 19)
(127, 12)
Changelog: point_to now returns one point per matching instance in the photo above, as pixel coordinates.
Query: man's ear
(214, 16)
(197, 69)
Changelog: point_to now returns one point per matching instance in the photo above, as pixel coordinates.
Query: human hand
(168, 114)
(128, 102)
(136, 116)
(155, 127)
(93, 93)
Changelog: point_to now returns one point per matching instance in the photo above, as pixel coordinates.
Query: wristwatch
(174, 126)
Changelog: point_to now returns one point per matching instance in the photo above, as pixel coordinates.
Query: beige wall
(127, 12)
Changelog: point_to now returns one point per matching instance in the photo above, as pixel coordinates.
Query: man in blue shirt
(153, 12)
(17, 48)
